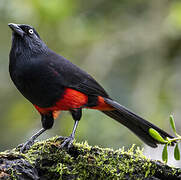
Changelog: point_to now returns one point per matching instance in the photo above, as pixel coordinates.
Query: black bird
(52, 84)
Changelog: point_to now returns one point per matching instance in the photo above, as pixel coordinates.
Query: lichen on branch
(45, 160)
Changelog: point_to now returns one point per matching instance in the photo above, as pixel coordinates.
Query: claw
(26, 146)
(19, 146)
(68, 141)
(60, 138)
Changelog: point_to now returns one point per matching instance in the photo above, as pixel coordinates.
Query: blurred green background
(133, 48)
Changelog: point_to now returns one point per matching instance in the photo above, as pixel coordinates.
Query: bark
(46, 161)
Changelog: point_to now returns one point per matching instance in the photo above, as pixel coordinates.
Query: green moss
(86, 162)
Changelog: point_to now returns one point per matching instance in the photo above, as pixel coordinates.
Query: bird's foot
(67, 141)
(60, 138)
(26, 146)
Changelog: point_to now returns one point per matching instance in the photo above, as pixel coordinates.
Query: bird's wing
(73, 77)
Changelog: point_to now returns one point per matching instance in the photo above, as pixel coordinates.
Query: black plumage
(43, 76)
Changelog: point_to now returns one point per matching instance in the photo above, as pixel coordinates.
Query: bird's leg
(47, 123)
(69, 140)
(76, 114)
(31, 141)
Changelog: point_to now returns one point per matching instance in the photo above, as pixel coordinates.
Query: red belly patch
(73, 99)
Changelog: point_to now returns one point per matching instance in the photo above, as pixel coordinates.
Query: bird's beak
(15, 28)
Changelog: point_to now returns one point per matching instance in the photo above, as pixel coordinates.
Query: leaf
(176, 153)
(155, 134)
(172, 122)
(165, 154)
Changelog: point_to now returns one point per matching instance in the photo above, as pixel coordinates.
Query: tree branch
(46, 161)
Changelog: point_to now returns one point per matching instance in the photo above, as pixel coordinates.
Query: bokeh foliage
(133, 48)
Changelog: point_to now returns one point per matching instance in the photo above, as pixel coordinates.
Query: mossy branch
(46, 161)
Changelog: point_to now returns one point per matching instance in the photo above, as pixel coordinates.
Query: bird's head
(26, 37)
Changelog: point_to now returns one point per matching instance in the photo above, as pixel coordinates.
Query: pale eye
(30, 31)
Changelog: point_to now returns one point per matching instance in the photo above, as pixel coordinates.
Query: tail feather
(135, 123)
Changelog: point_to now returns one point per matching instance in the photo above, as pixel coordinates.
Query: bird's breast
(39, 87)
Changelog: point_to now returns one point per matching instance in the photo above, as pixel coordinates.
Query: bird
(54, 84)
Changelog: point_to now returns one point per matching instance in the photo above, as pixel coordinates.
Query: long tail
(135, 123)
